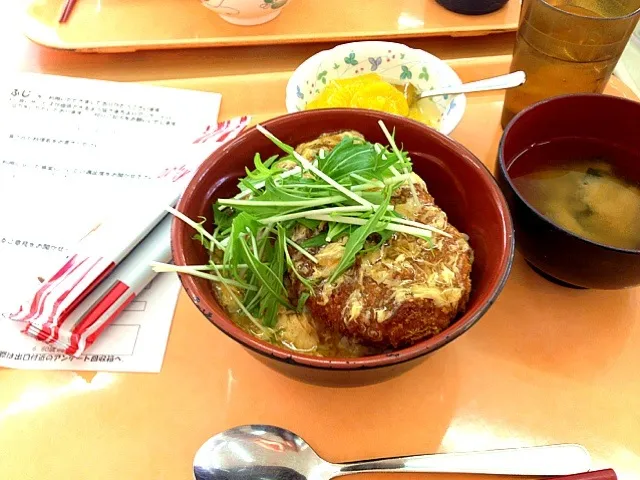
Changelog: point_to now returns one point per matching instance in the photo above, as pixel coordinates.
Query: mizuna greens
(346, 191)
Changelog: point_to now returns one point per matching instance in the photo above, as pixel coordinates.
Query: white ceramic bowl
(246, 12)
(390, 60)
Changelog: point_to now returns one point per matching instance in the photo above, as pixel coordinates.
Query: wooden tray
(544, 365)
(127, 25)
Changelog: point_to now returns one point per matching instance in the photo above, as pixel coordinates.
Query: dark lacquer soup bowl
(584, 126)
(459, 182)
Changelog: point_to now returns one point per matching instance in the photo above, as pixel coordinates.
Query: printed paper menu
(72, 152)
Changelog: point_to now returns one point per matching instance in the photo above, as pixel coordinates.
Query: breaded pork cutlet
(407, 290)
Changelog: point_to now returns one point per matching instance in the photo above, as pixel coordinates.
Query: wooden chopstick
(66, 10)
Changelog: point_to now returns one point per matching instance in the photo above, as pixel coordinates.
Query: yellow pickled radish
(331, 97)
(372, 92)
(381, 96)
(415, 114)
(426, 112)
(338, 93)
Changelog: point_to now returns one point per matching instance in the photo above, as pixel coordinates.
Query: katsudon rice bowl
(341, 246)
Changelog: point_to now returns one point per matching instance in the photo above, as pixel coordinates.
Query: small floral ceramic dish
(246, 12)
(395, 62)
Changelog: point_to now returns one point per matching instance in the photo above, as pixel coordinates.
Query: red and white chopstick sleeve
(111, 264)
(95, 257)
(79, 329)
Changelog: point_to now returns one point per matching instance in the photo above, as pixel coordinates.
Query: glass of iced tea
(568, 46)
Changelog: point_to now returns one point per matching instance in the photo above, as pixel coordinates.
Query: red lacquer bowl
(558, 254)
(459, 182)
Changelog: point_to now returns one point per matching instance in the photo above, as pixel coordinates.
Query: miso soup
(586, 187)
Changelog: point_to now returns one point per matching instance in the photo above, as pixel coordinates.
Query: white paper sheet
(73, 151)
(134, 342)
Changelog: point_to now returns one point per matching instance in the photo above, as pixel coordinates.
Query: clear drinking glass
(568, 46)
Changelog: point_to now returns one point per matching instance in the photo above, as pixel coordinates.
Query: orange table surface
(545, 365)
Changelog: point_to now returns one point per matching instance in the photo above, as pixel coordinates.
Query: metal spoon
(495, 83)
(263, 452)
